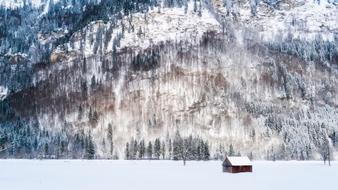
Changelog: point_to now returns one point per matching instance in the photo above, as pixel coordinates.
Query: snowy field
(139, 175)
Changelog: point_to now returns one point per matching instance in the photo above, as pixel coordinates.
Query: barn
(237, 164)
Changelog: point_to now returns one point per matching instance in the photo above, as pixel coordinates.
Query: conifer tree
(46, 149)
(231, 151)
(195, 5)
(142, 150)
(135, 150)
(90, 149)
(177, 147)
(199, 151)
(170, 150)
(206, 151)
(150, 150)
(126, 151)
(163, 150)
(157, 149)
(200, 9)
(110, 138)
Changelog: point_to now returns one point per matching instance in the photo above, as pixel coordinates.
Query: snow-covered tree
(127, 152)
(142, 149)
(157, 148)
(149, 150)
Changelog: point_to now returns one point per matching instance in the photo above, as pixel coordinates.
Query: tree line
(179, 148)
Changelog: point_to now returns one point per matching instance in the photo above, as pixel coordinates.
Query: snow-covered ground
(171, 175)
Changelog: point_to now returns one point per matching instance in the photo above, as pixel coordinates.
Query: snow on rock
(3, 93)
(170, 24)
(304, 20)
(12, 4)
(142, 30)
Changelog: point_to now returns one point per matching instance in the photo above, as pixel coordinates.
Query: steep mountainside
(96, 79)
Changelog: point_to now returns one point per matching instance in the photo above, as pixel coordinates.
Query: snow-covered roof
(239, 161)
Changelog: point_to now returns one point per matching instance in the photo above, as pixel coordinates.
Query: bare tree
(185, 151)
(180, 148)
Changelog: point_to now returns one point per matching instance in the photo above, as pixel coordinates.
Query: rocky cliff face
(260, 77)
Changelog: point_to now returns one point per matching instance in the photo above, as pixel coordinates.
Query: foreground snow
(82, 175)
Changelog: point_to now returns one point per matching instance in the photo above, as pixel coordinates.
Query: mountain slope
(259, 78)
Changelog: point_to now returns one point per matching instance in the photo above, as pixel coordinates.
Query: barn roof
(239, 161)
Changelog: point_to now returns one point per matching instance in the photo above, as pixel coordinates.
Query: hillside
(92, 79)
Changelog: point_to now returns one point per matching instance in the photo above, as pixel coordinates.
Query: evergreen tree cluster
(147, 60)
(177, 149)
(90, 147)
(138, 150)
(25, 139)
(318, 50)
(223, 151)
(190, 148)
